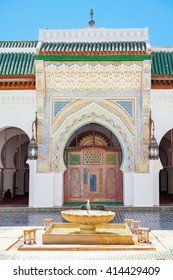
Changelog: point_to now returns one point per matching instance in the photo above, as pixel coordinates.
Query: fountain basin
(68, 233)
(88, 221)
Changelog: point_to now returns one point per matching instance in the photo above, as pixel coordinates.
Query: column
(127, 189)
(32, 179)
(170, 180)
(58, 194)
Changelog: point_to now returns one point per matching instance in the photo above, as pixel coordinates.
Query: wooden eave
(161, 81)
(17, 82)
(89, 53)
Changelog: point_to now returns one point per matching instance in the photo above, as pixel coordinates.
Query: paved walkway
(13, 221)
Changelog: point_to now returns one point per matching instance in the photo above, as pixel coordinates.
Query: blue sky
(22, 19)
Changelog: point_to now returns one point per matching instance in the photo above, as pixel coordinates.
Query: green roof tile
(162, 63)
(16, 63)
(78, 47)
(18, 44)
(23, 63)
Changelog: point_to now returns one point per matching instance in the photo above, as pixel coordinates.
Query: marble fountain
(87, 227)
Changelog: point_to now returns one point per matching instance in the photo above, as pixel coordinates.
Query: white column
(146, 186)
(170, 180)
(127, 189)
(8, 180)
(155, 166)
(32, 180)
(58, 193)
(142, 190)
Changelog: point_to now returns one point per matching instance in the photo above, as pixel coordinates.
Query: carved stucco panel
(93, 76)
(143, 161)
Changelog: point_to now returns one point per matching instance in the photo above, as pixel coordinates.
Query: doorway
(93, 157)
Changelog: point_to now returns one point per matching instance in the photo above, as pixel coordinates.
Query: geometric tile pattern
(110, 159)
(93, 156)
(127, 105)
(154, 219)
(58, 105)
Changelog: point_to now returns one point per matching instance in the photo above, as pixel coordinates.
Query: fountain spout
(88, 206)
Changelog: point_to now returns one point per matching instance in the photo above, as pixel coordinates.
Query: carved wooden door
(92, 173)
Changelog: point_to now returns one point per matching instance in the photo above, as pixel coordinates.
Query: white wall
(46, 190)
(162, 111)
(142, 189)
(17, 108)
(127, 189)
(58, 195)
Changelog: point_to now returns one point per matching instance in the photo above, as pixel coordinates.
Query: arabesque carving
(93, 76)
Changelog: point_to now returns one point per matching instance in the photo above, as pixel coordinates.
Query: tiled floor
(158, 219)
(55, 255)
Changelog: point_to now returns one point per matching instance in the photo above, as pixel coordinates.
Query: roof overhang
(17, 82)
(161, 81)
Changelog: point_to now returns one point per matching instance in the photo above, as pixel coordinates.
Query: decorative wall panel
(111, 183)
(74, 159)
(93, 76)
(75, 190)
(110, 159)
(93, 156)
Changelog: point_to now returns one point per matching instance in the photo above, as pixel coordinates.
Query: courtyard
(14, 219)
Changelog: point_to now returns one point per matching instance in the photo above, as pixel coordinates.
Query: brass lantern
(33, 147)
(153, 148)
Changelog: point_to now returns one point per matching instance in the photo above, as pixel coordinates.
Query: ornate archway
(104, 113)
(93, 158)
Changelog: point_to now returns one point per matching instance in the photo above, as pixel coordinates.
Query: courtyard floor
(14, 220)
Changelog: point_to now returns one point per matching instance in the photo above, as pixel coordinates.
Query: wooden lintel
(17, 82)
(162, 84)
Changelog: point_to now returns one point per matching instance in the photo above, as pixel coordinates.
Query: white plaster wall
(162, 111)
(17, 108)
(146, 186)
(58, 194)
(127, 189)
(43, 190)
(155, 166)
(93, 34)
(142, 190)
